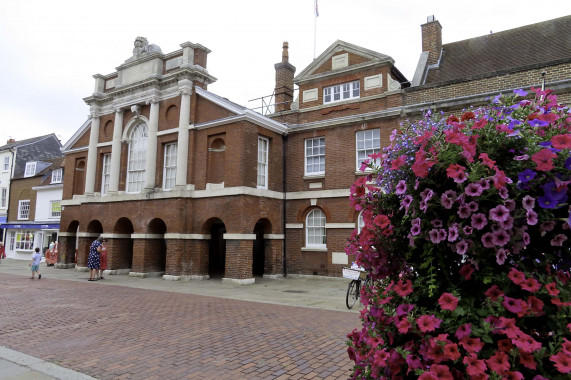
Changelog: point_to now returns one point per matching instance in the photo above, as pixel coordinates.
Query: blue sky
(51, 49)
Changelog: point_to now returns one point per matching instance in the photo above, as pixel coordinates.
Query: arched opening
(263, 226)
(217, 248)
(120, 256)
(93, 228)
(156, 247)
(68, 253)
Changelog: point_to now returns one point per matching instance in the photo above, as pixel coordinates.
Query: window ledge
(316, 176)
(314, 249)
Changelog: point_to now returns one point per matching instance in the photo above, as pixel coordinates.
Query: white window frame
(315, 232)
(263, 153)
(4, 197)
(169, 166)
(12, 241)
(106, 173)
(23, 240)
(30, 169)
(136, 162)
(6, 166)
(340, 92)
(24, 209)
(367, 142)
(315, 156)
(57, 175)
(56, 214)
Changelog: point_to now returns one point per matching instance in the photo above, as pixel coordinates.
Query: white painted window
(137, 159)
(340, 92)
(315, 156)
(360, 222)
(6, 166)
(315, 229)
(30, 169)
(24, 209)
(57, 175)
(4, 198)
(55, 207)
(12, 241)
(368, 142)
(24, 241)
(263, 146)
(106, 173)
(169, 171)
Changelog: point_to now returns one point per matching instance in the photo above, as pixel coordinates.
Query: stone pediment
(341, 57)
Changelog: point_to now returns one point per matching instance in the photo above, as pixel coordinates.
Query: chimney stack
(284, 81)
(432, 39)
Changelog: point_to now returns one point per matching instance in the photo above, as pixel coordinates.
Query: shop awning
(35, 226)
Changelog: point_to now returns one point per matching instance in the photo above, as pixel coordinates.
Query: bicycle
(358, 278)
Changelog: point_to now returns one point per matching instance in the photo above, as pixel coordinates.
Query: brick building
(186, 184)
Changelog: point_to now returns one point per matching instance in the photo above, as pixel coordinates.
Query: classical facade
(188, 185)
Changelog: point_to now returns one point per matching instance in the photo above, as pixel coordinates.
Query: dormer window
(57, 175)
(30, 169)
(341, 92)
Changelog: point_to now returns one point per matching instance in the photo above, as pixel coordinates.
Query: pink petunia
(558, 240)
(479, 221)
(516, 276)
(397, 163)
(463, 331)
(474, 189)
(466, 271)
(527, 360)
(448, 302)
(472, 345)
(403, 289)
(561, 141)
(512, 305)
(552, 289)
(544, 159)
(474, 366)
(494, 292)
(531, 285)
(499, 362)
(428, 323)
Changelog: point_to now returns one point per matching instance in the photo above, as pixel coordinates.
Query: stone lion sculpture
(142, 47)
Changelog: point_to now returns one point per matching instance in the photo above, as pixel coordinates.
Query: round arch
(216, 228)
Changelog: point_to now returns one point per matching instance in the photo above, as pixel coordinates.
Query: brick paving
(116, 332)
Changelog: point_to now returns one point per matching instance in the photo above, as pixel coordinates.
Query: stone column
(182, 146)
(151, 159)
(92, 152)
(116, 152)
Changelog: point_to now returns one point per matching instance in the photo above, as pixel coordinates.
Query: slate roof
(40, 148)
(526, 46)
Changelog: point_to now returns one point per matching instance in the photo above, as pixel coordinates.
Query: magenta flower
(436, 223)
(447, 301)
(507, 224)
(479, 221)
(516, 276)
(463, 331)
(473, 206)
(428, 323)
(531, 285)
(401, 187)
(499, 213)
(406, 201)
(415, 230)
(426, 194)
(447, 202)
(468, 230)
(416, 222)
(562, 361)
(453, 232)
(525, 238)
(512, 305)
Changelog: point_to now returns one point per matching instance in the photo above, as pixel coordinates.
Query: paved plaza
(133, 328)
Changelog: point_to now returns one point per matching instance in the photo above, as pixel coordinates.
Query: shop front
(22, 239)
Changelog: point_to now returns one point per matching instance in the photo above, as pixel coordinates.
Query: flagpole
(315, 27)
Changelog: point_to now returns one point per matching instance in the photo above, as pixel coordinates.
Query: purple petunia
(526, 175)
(473, 206)
(468, 230)
(520, 92)
(488, 240)
(545, 201)
(567, 163)
(453, 232)
(401, 187)
(426, 194)
(507, 224)
(531, 217)
(461, 247)
(500, 238)
(528, 202)
(415, 230)
(501, 256)
(406, 201)
(479, 221)
(523, 157)
(558, 240)
(525, 238)
(474, 190)
(436, 223)
(499, 213)
(464, 211)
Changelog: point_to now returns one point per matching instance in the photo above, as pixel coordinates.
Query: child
(35, 264)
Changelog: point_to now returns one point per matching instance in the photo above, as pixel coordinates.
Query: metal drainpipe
(284, 155)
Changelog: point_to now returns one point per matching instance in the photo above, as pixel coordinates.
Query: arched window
(137, 159)
(360, 222)
(315, 229)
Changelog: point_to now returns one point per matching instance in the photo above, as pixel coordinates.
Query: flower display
(466, 240)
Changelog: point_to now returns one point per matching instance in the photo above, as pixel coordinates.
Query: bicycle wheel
(353, 293)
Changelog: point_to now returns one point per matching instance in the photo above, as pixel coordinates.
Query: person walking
(103, 259)
(93, 259)
(35, 264)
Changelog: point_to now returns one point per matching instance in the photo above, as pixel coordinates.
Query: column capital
(185, 91)
(153, 100)
(94, 112)
(118, 109)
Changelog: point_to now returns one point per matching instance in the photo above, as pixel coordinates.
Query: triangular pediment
(357, 58)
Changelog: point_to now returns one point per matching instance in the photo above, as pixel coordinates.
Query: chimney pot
(11, 141)
(285, 53)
